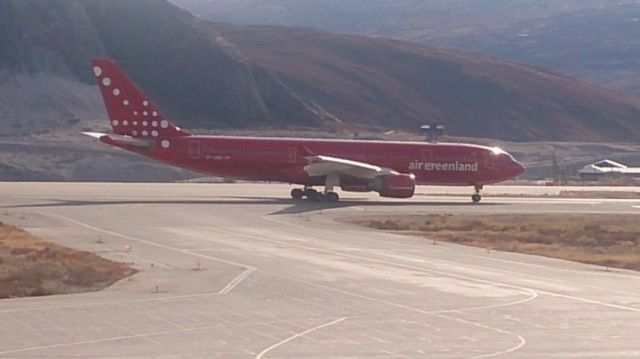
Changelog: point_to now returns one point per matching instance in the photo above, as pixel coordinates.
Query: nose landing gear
(476, 197)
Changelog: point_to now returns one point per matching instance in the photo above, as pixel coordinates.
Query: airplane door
(427, 156)
(292, 155)
(194, 149)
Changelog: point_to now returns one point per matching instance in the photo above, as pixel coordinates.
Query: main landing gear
(328, 195)
(476, 197)
(313, 195)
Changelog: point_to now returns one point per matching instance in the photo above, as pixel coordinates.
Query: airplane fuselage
(390, 168)
(283, 159)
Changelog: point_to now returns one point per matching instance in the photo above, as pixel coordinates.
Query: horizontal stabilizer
(120, 140)
(97, 135)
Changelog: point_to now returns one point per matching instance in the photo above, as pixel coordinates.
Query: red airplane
(390, 168)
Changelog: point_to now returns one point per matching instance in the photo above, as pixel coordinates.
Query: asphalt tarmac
(241, 271)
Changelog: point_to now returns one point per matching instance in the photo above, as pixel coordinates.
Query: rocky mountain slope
(594, 40)
(175, 57)
(400, 85)
(212, 75)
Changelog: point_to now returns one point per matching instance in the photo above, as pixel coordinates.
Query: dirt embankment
(32, 267)
(612, 241)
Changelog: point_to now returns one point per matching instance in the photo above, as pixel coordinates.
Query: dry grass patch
(612, 241)
(32, 267)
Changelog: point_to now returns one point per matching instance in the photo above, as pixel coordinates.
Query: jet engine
(395, 185)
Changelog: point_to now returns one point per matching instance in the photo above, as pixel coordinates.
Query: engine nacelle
(355, 187)
(395, 186)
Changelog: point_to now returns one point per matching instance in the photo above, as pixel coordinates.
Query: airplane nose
(518, 168)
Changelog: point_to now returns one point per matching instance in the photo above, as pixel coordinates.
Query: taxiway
(241, 271)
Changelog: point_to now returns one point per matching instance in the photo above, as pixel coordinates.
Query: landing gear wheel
(332, 197)
(297, 194)
(310, 193)
(476, 196)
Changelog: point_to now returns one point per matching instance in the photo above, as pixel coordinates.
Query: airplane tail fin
(130, 111)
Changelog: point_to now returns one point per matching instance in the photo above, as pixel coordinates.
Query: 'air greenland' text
(438, 166)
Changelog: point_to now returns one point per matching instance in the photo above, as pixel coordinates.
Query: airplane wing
(326, 165)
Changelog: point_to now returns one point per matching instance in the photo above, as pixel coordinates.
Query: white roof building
(608, 167)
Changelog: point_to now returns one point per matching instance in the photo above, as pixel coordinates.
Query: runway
(241, 271)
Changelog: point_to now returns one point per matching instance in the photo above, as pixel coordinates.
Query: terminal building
(608, 168)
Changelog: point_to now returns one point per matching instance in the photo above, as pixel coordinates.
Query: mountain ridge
(214, 75)
(447, 80)
(593, 40)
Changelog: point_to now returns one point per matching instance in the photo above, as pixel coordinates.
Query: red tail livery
(130, 111)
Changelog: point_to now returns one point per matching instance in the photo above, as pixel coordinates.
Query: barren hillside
(593, 40)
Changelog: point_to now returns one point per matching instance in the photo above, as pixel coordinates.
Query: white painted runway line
(110, 339)
(298, 335)
(236, 281)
